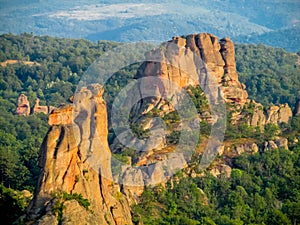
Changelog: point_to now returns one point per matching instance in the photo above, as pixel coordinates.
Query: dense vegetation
(271, 75)
(261, 179)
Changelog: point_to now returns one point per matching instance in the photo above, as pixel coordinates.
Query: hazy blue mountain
(244, 21)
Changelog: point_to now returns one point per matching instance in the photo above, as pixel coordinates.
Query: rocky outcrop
(37, 108)
(282, 142)
(75, 158)
(196, 59)
(159, 172)
(260, 116)
(279, 114)
(233, 149)
(257, 117)
(221, 169)
(278, 142)
(233, 90)
(23, 106)
(246, 147)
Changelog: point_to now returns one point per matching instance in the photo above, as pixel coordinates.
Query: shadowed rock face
(75, 158)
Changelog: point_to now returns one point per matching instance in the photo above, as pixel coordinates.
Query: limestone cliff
(75, 158)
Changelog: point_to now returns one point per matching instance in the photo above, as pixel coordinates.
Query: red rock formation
(75, 158)
(37, 108)
(23, 108)
(61, 116)
(195, 59)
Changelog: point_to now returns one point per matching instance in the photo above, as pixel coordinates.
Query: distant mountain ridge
(244, 21)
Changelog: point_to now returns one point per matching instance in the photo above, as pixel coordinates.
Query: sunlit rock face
(75, 158)
(192, 60)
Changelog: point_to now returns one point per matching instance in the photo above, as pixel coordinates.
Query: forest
(263, 187)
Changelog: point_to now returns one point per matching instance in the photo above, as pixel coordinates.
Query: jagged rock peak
(75, 158)
(195, 59)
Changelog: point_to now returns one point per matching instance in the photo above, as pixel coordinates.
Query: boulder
(270, 145)
(133, 182)
(284, 114)
(247, 147)
(221, 169)
(257, 118)
(273, 114)
(282, 142)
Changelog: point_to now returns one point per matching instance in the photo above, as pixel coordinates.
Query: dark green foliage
(199, 99)
(61, 197)
(12, 204)
(271, 75)
(21, 138)
(59, 65)
(138, 131)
